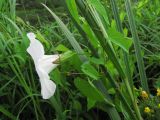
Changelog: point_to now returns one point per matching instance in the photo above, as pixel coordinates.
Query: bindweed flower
(158, 92)
(144, 95)
(147, 110)
(44, 64)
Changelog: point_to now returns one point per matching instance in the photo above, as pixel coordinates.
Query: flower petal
(35, 49)
(43, 75)
(46, 63)
(31, 36)
(48, 88)
(43, 64)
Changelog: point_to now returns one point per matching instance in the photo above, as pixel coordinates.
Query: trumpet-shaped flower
(44, 64)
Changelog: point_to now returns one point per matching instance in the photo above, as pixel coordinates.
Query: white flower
(44, 64)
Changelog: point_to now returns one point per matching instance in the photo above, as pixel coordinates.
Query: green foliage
(86, 88)
(118, 38)
(101, 10)
(89, 70)
(98, 73)
(7, 113)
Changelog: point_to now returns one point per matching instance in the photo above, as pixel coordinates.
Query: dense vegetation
(112, 70)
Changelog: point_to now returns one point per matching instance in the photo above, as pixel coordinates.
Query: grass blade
(7, 113)
(136, 42)
(69, 35)
(120, 29)
(105, 43)
(111, 112)
(128, 71)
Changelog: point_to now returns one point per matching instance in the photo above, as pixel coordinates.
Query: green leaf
(82, 22)
(7, 113)
(90, 103)
(68, 35)
(20, 51)
(119, 39)
(90, 91)
(56, 76)
(42, 39)
(61, 48)
(77, 105)
(73, 9)
(111, 91)
(98, 61)
(101, 10)
(137, 45)
(97, 27)
(89, 70)
(65, 56)
(90, 34)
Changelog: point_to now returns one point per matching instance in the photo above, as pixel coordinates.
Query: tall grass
(126, 60)
(21, 81)
(113, 114)
(140, 62)
(7, 41)
(93, 19)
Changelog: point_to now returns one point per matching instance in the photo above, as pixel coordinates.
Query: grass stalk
(69, 35)
(136, 42)
(102, 39)
(126, 60)
(128, 108)
(117, 88)
(120, 29)
(114, 114)
(57, 107)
